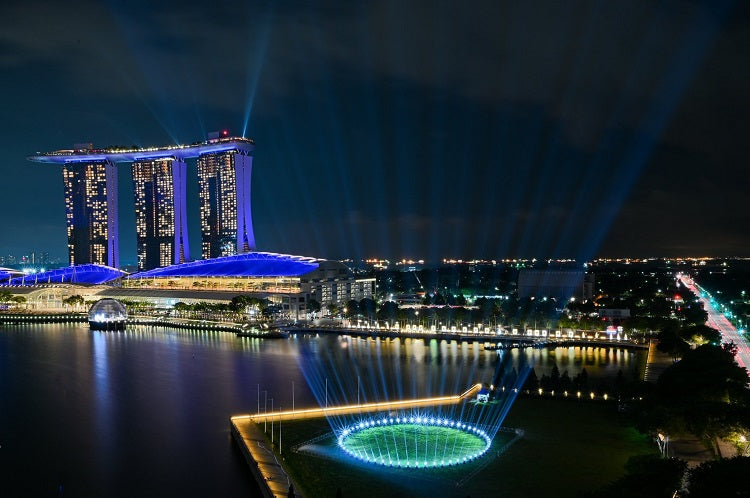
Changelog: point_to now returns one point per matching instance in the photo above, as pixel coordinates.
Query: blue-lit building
(88, 274)
(91, 212)
(225, 170)
(230, 265)
(224, 180)
(47, 290)
(6, 274)
(289, 281)
(160, 212)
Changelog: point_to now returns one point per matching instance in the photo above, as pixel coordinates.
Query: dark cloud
(405, 129)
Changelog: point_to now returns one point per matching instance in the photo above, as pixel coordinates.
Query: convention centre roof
(252, 264)
(80, 274)
(8, 273)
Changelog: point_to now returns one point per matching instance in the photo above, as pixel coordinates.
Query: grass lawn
(414, 444)
(569, 447)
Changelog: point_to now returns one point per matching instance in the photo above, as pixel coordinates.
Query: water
(145, 412)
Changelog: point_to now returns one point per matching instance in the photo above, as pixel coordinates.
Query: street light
(280, 431)
(271, 420)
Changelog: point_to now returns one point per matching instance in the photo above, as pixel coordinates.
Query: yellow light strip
(366, 406)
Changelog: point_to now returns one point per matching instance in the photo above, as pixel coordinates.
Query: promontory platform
(269, 472)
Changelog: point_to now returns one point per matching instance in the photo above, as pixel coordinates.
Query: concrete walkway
(656, 362)
(267, 469)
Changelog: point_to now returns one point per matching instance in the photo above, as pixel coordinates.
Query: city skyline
(616, 134)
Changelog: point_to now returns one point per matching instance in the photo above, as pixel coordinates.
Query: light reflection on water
(147, 409)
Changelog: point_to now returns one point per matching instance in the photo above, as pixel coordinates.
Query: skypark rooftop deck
(120, 155)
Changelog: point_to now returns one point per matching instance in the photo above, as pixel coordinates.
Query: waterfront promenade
(513, 338)
(492, 337)
(265, 466)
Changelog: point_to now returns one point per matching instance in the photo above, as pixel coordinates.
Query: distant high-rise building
(226, 219)
(91, 212)
(160, 214)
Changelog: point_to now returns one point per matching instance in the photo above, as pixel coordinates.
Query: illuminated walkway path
(359, 408)
(269, 472)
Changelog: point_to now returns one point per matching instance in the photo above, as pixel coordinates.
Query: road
(718, 321)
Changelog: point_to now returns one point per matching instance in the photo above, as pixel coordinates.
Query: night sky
(401, 129)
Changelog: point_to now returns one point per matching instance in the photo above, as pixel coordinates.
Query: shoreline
(491, 341)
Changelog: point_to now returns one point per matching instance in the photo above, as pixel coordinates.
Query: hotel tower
(226, 219)
(160, 213)
(91, 212)
(159, 188)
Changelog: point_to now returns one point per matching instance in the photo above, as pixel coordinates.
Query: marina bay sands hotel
(159, 184)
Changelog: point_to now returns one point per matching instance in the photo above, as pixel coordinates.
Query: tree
(701, 334)
(581, 381)
(720, 478)
(555, 378)
(646, 476)
(706, 373)
(333, 309)
(532, 381)
(704, 393)
(240, 303)
(74, 300)
(388, 310)
(313, 305)
(367, 307)
(566, 384)
(671, 341)
(352, 308)
(180, 306)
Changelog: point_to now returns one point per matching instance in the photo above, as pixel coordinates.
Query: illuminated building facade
(289, 281)
(160, 212)
(91, 212)
(226, 219)
(225, 167)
